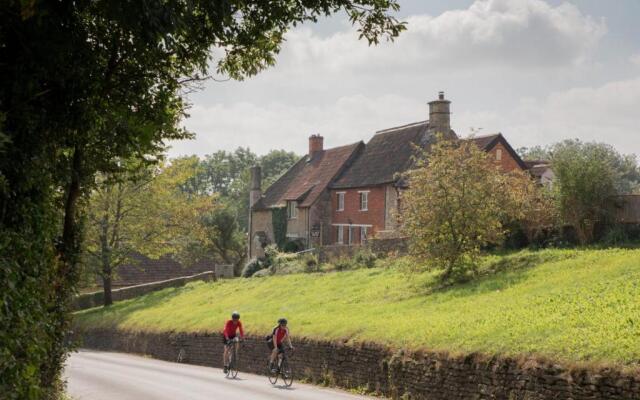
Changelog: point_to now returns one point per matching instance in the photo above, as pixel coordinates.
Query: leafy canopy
(458, 202)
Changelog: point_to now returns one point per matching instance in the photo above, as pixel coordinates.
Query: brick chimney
(440, 115)
(316, 143)
(255, 189)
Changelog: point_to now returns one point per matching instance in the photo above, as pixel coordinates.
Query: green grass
(564, 304)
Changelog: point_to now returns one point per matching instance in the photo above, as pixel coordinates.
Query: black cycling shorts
(225, 341)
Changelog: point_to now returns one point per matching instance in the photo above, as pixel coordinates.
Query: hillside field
(572, 305)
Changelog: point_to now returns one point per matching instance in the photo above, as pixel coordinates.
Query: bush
(365, 258)
(617, 235)
(310, 262)
(254, 265)
(344, 263)
(292, 246)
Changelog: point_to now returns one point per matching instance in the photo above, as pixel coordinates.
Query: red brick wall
(508, 163)
(352, 215)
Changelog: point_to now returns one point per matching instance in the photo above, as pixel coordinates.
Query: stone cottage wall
(418, 375)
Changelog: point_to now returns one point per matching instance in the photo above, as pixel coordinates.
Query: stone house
(296, 207)
(347, 194)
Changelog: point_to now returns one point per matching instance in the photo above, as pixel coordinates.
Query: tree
(535, 153)
(143, 212)
(587, 176)
(86, 83)
(227, 175)
(458, 202)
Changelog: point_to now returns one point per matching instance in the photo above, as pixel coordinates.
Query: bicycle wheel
(233, 365)
(273, 376)
(286, 372)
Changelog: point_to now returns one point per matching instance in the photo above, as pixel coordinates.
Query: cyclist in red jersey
(229, 335)
(280, 335)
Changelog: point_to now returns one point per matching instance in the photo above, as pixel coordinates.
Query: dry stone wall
(397, 374)
(96, 299)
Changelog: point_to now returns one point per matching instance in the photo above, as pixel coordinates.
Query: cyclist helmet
(235, 315)
(282, 321)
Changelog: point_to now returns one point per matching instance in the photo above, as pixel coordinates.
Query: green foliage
(459, 202)
(587, 176)
(575, 305)
(279, 222)
(365, 257)
(535, 153)
(84, 85)
(145, 211)
(252, 266)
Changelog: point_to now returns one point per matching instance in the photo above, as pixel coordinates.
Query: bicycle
(232, 370)
(282, 369)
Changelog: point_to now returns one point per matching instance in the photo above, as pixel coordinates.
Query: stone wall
(398, 245)
(143, 269)
(380, 246)
(418, 375)
(96, 299)
(336, 251)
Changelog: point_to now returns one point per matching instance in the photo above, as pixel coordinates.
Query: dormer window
(292, 209)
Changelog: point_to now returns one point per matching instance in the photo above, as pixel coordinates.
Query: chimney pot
(441, 95)
(316, 144)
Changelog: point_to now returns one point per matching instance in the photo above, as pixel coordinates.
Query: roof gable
(488, 142)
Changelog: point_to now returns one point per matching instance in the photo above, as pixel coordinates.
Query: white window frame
(363, 234)
(340, 238)
(498, 154)
(364, 195)
(340, 200)
(292, 209)
(351, 229)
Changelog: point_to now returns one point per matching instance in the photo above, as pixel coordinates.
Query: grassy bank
(565, 304)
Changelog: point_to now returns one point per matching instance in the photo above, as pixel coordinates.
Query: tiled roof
(307, 179)
(389, 153)
(485, 142)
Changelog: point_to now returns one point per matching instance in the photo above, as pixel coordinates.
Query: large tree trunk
(105, 252)
(106, 285)
(67, 274)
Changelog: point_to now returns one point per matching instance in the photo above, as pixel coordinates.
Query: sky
(537, 71)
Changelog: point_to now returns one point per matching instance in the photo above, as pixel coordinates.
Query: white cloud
(606, 113)
(279, 125)
(511, 33)
(487, 57)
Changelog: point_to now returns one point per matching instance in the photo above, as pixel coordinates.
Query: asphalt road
(95, 375)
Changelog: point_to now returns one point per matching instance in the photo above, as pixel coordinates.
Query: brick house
(347, 194)
(365, 199)
(501, 152)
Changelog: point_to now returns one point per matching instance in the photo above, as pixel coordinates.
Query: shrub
(366, 258)
(292, 246)
(310, 262)
(254, 265)
(615, 236)
(343, 264)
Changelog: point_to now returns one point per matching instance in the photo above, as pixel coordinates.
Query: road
(95, 375)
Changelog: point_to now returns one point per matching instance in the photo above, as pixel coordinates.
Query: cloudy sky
(537, 71)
